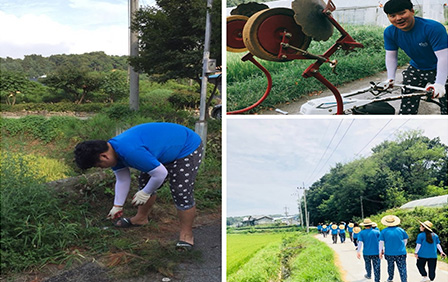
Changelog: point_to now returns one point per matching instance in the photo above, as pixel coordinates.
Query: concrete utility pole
(306, 212)
(201, 124)
(133, 52)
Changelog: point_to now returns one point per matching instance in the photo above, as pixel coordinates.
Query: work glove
(386, 84)
(140, 198)
(115, 212)
(438, 90)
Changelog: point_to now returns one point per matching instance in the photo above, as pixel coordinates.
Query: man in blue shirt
(368, 241)
(157, 150)
(426, 43)
(393, 240)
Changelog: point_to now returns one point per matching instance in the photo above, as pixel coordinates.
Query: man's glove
(115, 212)
(386, 84)
(140, 198)
(438, 90)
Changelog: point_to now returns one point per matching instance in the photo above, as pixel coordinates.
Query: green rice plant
(242, 247)
(265, 265)
(246, 83)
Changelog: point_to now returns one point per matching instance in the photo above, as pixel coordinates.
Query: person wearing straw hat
(324, 230)
(342, 233)
(334, 233)
(393, 240)
(356, 231)
(350, 230)
(368, 242)
(426, 251)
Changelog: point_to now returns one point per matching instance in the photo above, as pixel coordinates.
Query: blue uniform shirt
(393, 237)
(370, 239)
(146, 146)
(419, 43)
(427, 250)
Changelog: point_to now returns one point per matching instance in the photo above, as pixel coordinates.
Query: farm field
(287, 256)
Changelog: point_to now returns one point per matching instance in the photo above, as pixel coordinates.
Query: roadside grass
(246, 83)
(39, 227)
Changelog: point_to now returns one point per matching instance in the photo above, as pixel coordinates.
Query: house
(257, 220)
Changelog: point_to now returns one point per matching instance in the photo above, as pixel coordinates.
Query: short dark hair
(395, 6)
(87, 153)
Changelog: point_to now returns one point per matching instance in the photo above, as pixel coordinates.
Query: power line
(334, 134)
(374, 137)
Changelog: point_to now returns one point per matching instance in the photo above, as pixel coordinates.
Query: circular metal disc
(235, 25)
(248, 9)
(308, 14)
(263, 33)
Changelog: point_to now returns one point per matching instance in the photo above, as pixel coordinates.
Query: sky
(269, 159)
(49, 27)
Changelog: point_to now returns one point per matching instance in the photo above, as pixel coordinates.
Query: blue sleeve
(438, 37)
(405, 235)
(419, 239)
(389, 40)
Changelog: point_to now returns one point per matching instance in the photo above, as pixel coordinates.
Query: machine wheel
(262, 33)
(235, 25)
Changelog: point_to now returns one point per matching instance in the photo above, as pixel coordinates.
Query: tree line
(409, 168)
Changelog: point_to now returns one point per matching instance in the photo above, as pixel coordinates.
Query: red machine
(282, 34)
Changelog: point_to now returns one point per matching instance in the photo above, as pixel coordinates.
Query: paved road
(352, 268)
(293, 108)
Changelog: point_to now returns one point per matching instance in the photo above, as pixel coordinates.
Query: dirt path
(352, 268)
(293, 108)
(206, 269)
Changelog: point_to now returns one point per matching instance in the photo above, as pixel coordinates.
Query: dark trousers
(335, 238)
(401, 265)
(373, 262)
(342, 237)
(432, 263)
(415, 77)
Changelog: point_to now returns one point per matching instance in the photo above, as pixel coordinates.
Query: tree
(77, 83)
(172, 38)
(12, 84)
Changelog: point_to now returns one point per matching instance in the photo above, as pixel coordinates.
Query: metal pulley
(264, 32)
(308, 14)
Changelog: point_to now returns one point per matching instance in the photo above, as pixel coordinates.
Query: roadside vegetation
(246, 83)
(279, 256)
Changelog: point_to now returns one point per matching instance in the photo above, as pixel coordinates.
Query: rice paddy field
(288, 256)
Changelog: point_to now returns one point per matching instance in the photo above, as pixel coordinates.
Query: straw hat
(367, 222)
(427, 224)
(351, 224)
(390, 220)
(324, 226)
(334, 226)
(356, 229)
(342, 226)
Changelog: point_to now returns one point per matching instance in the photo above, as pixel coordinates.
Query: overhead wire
(374, 137)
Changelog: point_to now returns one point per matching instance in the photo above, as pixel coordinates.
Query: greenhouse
(433, 202)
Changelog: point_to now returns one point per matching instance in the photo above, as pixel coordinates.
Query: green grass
(288, 256)
(246, 83)
(39, 227)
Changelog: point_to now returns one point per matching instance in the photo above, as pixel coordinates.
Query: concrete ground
(293, 108)
(353, 270)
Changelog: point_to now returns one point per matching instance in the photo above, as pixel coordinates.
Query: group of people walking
(390, 243)
(336, 230)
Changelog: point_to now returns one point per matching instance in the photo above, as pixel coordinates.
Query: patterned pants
(432, 263)
(373, 261)
(182, 174)
(401, 265)
(415, 77)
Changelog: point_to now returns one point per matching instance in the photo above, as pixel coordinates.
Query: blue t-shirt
(350, 229)
(419, 43)
(341, 231)
(393, 237)
(319, 227)
(146, 146)
(370, 239)
(334, 231)
(427, 250)
(355, 235)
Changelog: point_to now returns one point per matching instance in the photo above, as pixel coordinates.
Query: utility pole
(306, 212)
(299, 203)
(362, 208)
(286, 211)
(133, 52)
(201, 124)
